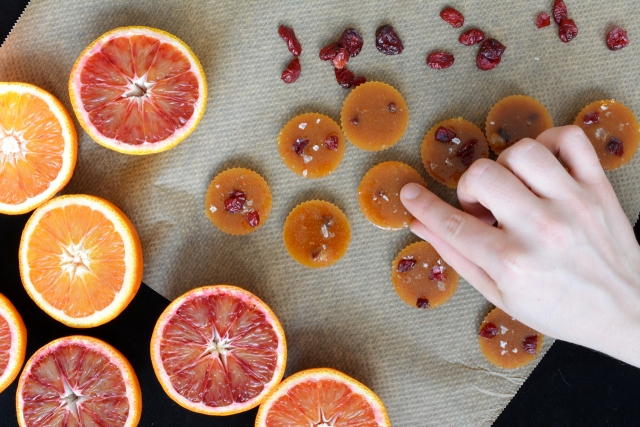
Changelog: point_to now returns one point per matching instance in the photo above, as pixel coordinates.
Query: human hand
(563, 258)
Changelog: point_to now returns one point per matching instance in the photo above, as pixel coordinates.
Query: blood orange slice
(78, 381)
(218, 350)
(323, 398)
(80, 260)
(38, 147)
(138, 90)
(13, 342)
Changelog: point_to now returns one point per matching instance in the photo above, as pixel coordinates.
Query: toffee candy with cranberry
(316, 233)
(613, 130)
(507, 343)
(238, 201)
(379, 194)
(450, 147)
(421, 277)
(311, 145)
(513, 118)
(374, 116)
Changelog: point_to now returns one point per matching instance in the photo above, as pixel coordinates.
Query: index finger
(474, 239)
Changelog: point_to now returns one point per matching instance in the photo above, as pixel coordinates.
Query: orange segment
(218, 350)
(80, 260)
(13, 342)
(138, 90)
(322, 397)
(38, 147)
(78, 381)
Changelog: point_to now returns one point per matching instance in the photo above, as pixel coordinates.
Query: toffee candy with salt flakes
(613, 130)
(421, 277)
(514, 118)
(311, 145)
(316, 233)
(450, 147)
(507, 343)
(238, 201)
(374, 116)
(379, 194)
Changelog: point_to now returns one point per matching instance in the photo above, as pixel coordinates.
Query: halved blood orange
(78, 381)
(138, 90)
(218, 350)
(38, 147)
(13, 342)
(323, 398)
(80, 260)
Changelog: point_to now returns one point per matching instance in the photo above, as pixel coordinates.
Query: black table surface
(572, 386)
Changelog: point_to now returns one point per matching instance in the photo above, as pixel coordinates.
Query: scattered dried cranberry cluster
(529, 344)
(489, 55)
(292, 72)
(568, 30)
(349, 46)
(235, 203)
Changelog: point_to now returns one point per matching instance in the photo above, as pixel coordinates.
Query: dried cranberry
(331, 142)
(544, 20)
(471, 37)
(300, 145)
(440, 60)
(444, 135)
(352, 41)
(492, 49)
(530, 344)
(289, 36)
(617, 39)
(591, 118)
(392, 107)
(387, 41)
(559, 11)
(485, 64)
(341, 58)
(253, 219)
(489, 331)
(406, 264)
(615, 147)
(467, 151)
(235, 201)
(292, 72)
(437, 274)
(354, 120)
(344, 77)
(358, 81)
(452, 16)
(422, 303)
(328, 52)
(568, 30)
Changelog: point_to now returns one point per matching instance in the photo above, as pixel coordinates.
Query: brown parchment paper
(425, 365)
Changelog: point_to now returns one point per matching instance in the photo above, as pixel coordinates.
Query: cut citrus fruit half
(78, 381)
(80, 260)
(138, 90)
(324, 398)
(13, 342)
(218, 350)
(38, 147)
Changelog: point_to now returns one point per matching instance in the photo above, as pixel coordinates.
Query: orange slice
(325, 398)
(218, 350)
(13, 342)
(138, 90)
(78, 381)
(80, 260)
(38, 147)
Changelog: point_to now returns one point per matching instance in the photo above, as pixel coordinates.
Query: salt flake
(213, 209)
(306, 158)
(315, 148)
(302, 125)
(503, 329)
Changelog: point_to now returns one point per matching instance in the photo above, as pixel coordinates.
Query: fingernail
(410, 191)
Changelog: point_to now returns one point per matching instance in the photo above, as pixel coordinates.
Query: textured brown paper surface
(426, 366)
